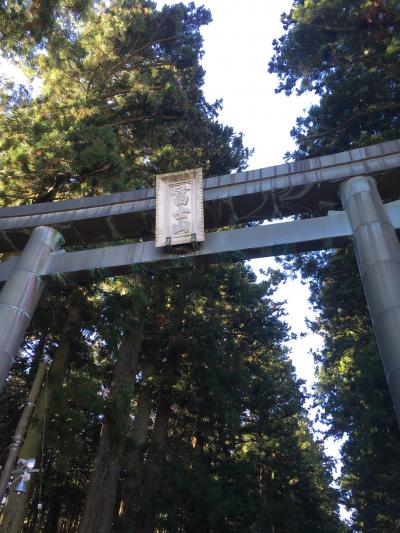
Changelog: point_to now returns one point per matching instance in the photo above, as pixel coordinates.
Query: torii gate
(311, 186)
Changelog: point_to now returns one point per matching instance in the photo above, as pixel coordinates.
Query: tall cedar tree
(348, 54)
(221, 443)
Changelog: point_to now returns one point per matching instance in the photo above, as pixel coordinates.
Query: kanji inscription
(179, 208)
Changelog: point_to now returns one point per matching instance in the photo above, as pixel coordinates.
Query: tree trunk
(13, 516)
(193, 522)
(21, 428)
(152, 476)
(131, 493)
(266, 524)
(99, 507)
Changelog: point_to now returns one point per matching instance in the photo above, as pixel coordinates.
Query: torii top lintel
(303, 186)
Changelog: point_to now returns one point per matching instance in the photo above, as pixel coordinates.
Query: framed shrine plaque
(179, 208)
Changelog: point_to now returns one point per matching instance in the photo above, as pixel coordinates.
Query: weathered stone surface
(179, 208)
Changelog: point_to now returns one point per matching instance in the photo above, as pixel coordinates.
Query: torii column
(20, 295)
(377, 250)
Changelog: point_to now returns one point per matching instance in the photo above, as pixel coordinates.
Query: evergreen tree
(347, 52)
(174, 405)
(27, 25)
(228, 417)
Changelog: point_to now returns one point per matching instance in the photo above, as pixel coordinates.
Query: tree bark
(13, 516)
(265, 522)
(152, 476)
(131, 493)
(99, 507)
(19, 434)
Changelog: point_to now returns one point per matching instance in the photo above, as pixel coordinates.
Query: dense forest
(170, 403)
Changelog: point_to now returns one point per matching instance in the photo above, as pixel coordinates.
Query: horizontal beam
(228, 246)
(220, 246)
(306, 186)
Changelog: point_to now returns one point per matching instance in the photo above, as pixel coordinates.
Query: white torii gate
(311, 186)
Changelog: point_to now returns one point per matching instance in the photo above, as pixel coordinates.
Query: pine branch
(123, 63)
(137, 51)
(143, 118)
(371, 110)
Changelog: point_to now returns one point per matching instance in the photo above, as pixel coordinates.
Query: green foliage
(25, 25)
(347, 52)
(227, 444)
(121, 101)
(238, 434)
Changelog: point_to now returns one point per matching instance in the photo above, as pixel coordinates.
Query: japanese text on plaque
(179, 209)
(181, 212)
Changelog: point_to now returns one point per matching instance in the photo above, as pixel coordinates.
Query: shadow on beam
(331, 231)
(306, 186)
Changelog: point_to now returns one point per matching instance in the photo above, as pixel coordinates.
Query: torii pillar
(377, 250)
(21, 293)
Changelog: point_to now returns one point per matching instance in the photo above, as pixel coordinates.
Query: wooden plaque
(179, 208)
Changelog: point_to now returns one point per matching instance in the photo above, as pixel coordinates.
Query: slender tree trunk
(38, 355)
(266, 524)
(131, 494)
(152, 476)
(12, 519)
(99, 507)
(21, 428)
(193, 522)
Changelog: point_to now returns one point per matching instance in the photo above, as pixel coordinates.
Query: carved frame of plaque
(179, 208)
